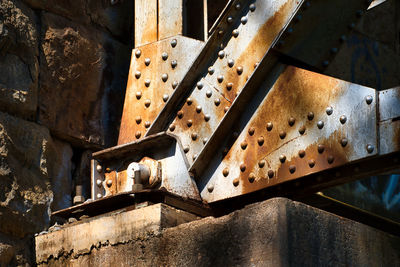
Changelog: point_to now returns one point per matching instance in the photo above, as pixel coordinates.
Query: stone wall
(63, 72)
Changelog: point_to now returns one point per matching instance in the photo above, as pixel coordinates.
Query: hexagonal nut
(78, 200)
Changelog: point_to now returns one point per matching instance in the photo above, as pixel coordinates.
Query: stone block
(18, 59)
(276, 232)
(82, 82)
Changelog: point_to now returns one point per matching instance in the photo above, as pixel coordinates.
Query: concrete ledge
(113, 228)
(276, 232)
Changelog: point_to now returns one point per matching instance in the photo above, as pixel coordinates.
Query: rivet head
(164, 56)
(311, 163)
(174, 63)
(147, 103)
(226, 108)
(310, 116)
(235, 33)
(174, 42)
(147, 82)
(325, 63)
(138, 134)
(229, 19)
(221, 54)
(205, 139)
(207, 117)
(138, 95)
(229, 86)
(174, 84)
(251, 177)
(368, 99)
(217, 101)
(261, 163)
(343, 119)
(292, 168)
(198, 109)
(189, 101)
(370, 148)
(321, 149)
(343, 38)
(329, 110)
(270, 174)
(138, 53)
(256, 65)
(334, 50)
(109, 182)
(282, 134)
(186, 149)
(260, 141)
(269, 126)
(99, 182)
(180, 114)
(138, 119)
(172, 127)
(147, 124)
(208, 93)
(194, 157)
(302, 130)
(225, 172)
(235, 135)
(344, 142)
(220, 31)
(194, 136)
(138, 74)
(210, 188)
(235, 181)
(99, 168)
(291, 121)
(252, 7)
(99, 195)
(282, 158)
(147, 61)
(199, 85)
(243, 20)
(164, 77)
(238, 6)
(211, 70)
(251, 130)
(189, 123)
(330, 159)
(302, 153)
(242, 167)
(165, 97)
(239, 70)
(220, 78)
(243, 145)
(231, 62)
(320, 124)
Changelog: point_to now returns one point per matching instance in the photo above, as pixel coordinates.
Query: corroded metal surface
(389, 120)
(155, 71)
(251, 30)
(306, 123)
(164, 158)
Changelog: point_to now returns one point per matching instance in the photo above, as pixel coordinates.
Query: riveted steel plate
(319, 29)
(306, 123)
(198, 118)
(155, 71)
(246, 33)
(389, 120)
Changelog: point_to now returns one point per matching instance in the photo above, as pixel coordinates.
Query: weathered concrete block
(276, 232)
(18, 59)
(111, 229)
(82, 85)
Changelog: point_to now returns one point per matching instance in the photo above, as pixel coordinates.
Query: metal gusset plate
(110, 175)
(248, 30)
(305, 123)
(155, 71)
(319, 29)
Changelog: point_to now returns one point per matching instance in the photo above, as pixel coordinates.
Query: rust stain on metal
(154, 73)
